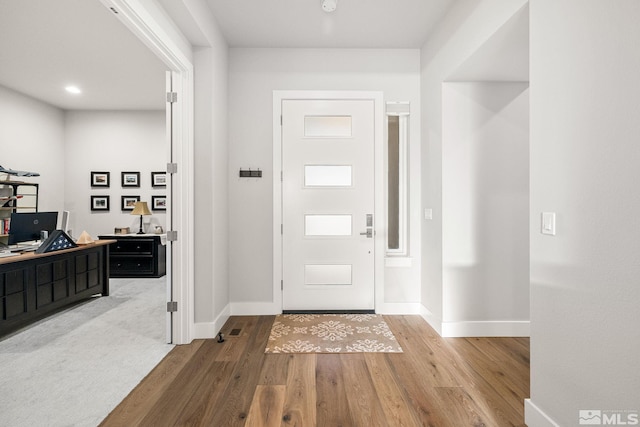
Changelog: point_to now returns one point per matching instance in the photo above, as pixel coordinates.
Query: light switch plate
(548, 225)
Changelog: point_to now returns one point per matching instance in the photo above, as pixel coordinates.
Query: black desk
(35, 285)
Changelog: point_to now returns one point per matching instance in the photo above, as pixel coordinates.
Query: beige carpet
(331, 333)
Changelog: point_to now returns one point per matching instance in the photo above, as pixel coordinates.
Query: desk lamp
(140, 208)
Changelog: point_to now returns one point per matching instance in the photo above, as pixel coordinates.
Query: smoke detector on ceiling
(329, 5)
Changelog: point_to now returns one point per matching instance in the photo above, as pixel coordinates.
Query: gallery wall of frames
(130, 182)
(121, 158)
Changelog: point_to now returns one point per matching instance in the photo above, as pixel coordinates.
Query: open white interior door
(169, 223)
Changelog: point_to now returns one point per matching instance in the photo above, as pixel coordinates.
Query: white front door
(328, 204)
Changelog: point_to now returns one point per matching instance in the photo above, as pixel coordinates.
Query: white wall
(64, 147)
(203, 203)
(585, 339)
(32, 139)
(211, 224)
(463, 31)
(485, 207)
(211, 186)
(113, 141)
(254, 75)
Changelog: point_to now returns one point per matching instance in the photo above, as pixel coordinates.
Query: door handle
(368, 233)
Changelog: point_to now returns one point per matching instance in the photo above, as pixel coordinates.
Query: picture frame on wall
(158, 179)
(127, 203)
(130, 179)
(99, 203)
(159, 203)
(100, 179)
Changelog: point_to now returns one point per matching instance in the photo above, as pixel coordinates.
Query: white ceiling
(503, 57)
(48, 44)
(303, 23)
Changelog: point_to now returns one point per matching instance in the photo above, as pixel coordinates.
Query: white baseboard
(535, 417)
(399, 308)
(507, 328)
(433, 321)
(445, 329)
(205, 330)
(255, 308)
(475, 329)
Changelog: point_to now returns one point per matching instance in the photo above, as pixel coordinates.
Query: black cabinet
(135, 255)
(33, 286)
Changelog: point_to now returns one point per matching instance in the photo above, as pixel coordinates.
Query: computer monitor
(64, 225)
(25, 227)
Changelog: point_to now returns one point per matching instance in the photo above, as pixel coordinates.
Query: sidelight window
(397, 177)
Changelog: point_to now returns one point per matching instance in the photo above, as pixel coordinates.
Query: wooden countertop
(26, 256)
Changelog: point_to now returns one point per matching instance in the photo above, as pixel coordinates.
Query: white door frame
(379, 210)
(140, 20)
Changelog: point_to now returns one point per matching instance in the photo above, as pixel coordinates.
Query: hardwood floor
(435, 382)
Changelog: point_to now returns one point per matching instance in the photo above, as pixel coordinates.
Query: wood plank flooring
(435, 382)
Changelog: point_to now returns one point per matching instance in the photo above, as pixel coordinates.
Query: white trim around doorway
(379, 210)
(140, 20)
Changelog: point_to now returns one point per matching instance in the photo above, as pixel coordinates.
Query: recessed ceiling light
(73, 89)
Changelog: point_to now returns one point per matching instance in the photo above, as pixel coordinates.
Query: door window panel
(327, 275)
(327, 225)
(327, 126)
(327, 176)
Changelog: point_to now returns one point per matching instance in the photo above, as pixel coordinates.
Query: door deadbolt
(369, 220)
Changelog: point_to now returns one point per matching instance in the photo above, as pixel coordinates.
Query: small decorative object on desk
(57, 241)
(158, 229)
(141, 209)
(121, 230)
(84, 239)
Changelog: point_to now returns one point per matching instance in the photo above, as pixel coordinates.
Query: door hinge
(172, 168)
(280, 119)
(281, 176)
(172, 306)
(172, 97)
(172, 236)
(281, 228)
(281, 285)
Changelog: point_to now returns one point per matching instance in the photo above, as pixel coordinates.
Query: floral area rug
(331, 333)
